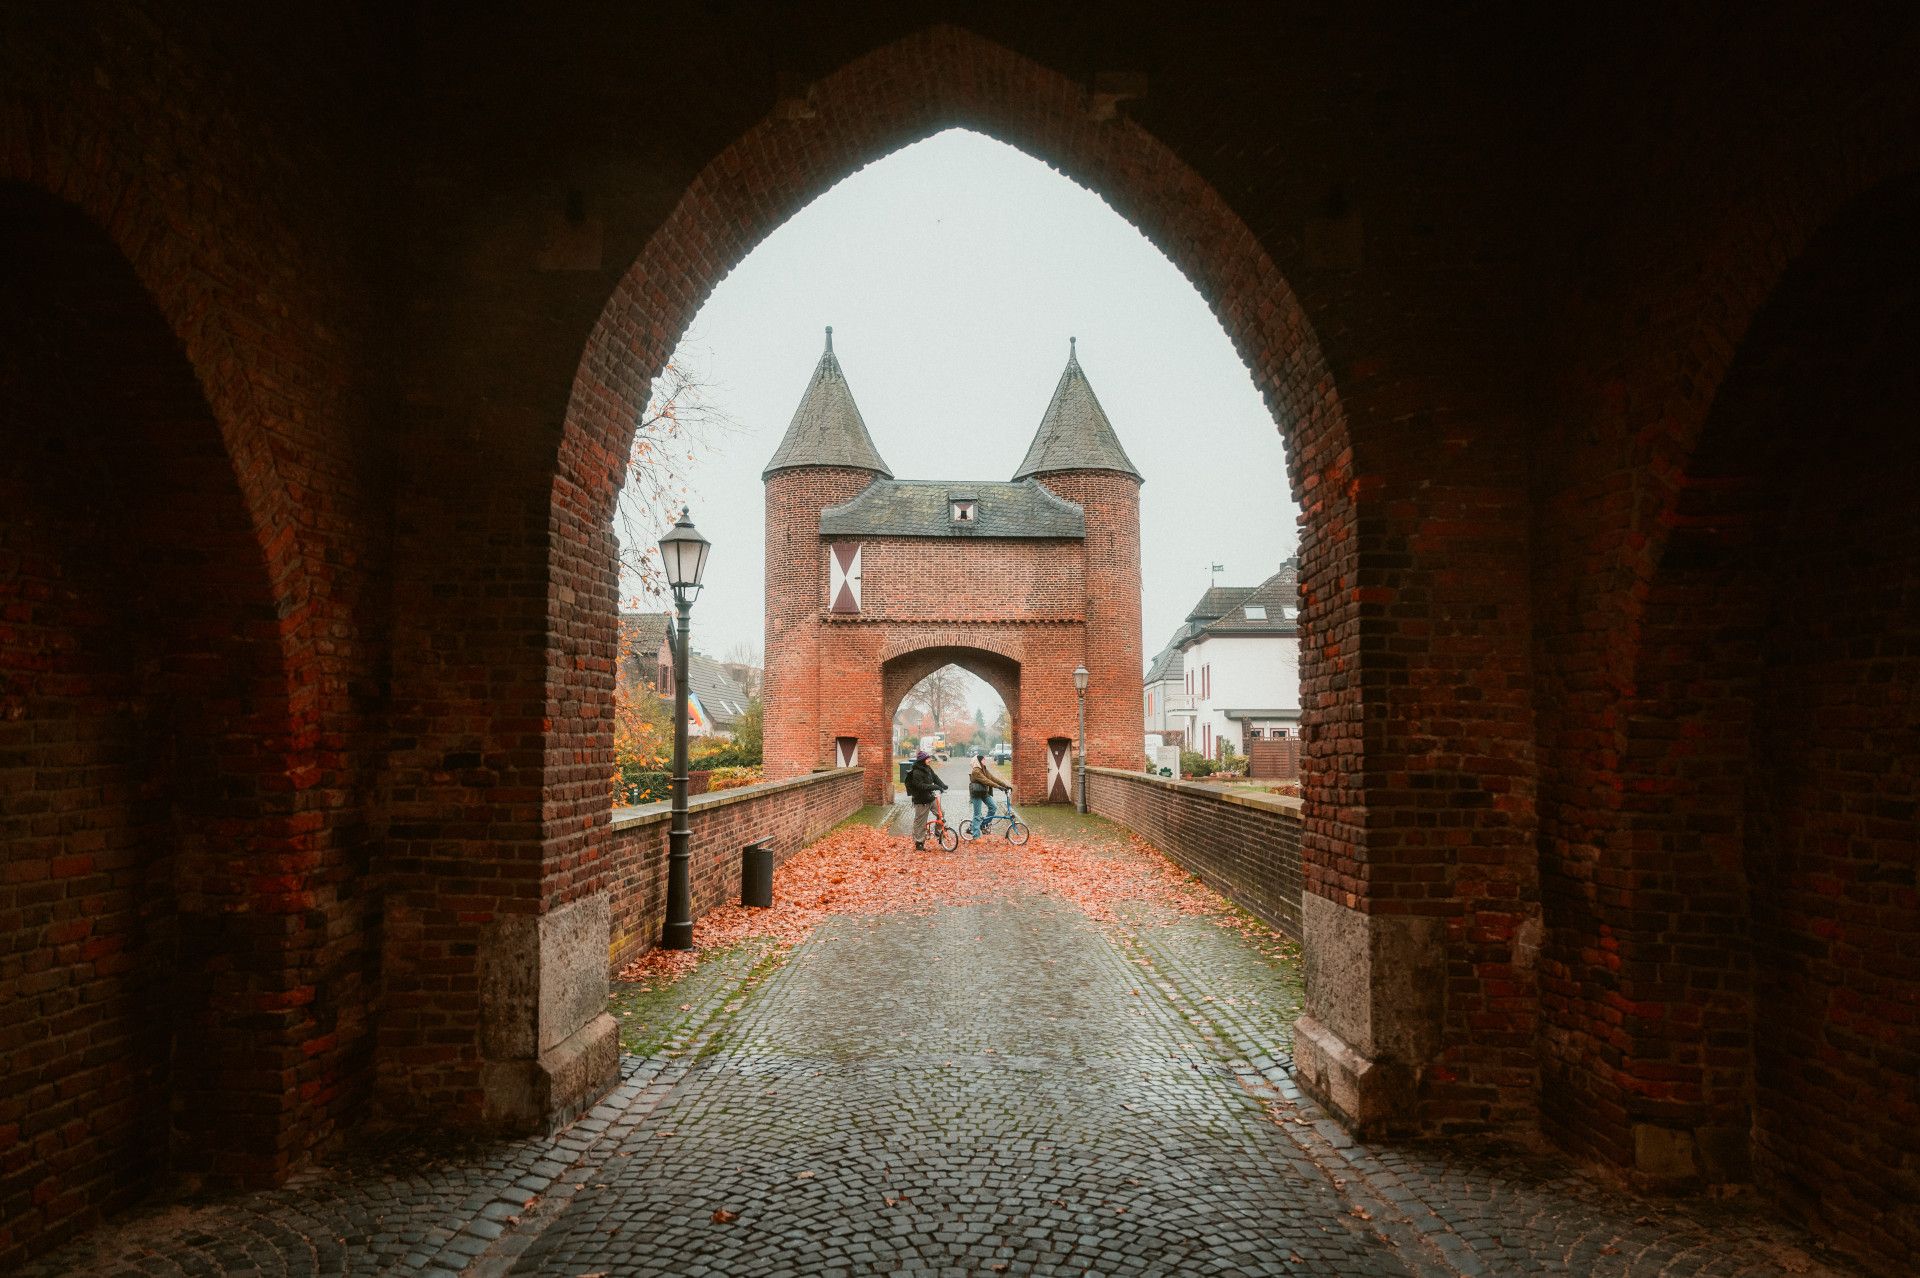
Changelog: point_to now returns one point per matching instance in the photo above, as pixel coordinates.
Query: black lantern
(1080, 745)
(683, 554)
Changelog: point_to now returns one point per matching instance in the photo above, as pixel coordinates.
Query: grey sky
(953, 272)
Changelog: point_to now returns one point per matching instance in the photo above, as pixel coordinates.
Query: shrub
(638, 785)
(715, 752)
(1194, 764)
(732, 778)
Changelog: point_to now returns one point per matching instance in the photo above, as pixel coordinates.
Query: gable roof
(827, 429)
(922, 508)
(1218, 602)
(1277, 594)
(720, 694)
(642, 633)
(1074, 433)
(1172, 661)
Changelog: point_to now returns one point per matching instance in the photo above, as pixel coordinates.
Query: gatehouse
(874, 582)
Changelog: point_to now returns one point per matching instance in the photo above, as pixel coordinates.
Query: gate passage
(875, 582)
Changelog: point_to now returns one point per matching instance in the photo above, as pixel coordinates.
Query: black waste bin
(906, 766)
(756, 874)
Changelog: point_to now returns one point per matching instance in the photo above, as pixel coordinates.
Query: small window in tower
(964, 511)
(1256, 612)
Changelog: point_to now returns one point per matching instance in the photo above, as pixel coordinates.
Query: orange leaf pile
(863, 871)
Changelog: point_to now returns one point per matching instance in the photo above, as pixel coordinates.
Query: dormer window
(1292, 613)
(1256, 612)
(963, 510)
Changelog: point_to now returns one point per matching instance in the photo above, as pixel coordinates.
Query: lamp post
(683, 555)
(1080, 745)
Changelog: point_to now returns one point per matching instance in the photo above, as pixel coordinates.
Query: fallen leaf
(721, 1216)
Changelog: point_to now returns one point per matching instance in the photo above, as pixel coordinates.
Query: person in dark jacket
(923, 784)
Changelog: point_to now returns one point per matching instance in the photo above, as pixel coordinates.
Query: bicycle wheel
(966, 831)
(948, 836)
(1017, 832)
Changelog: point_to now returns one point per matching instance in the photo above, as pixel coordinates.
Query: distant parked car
(1002, 752)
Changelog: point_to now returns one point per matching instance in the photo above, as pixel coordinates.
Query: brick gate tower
(873, 583)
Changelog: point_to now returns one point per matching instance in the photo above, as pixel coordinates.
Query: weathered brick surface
(1494, 278)
(1020, 614)
(792, 813)
(1244, 846)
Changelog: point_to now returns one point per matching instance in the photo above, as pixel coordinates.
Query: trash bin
(906, 766)
(756, 874)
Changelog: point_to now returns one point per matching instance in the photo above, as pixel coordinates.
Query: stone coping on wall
(1245, 798)
(651, 813)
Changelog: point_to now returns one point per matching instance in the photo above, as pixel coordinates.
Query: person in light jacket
(981, 783)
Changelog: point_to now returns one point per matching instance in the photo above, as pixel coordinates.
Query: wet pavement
(1006, 1086)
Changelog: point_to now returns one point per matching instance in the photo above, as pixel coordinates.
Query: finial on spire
(829, 339)
(1071, 343)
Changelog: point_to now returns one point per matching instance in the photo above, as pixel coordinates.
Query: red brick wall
(969, 579)
(155, 900)
(1244, 846)
(795, 741)
(1115, 730)
(792, 813)
(1490, 276)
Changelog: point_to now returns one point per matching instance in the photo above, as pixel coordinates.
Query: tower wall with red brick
(1113, 656)
(796, 589)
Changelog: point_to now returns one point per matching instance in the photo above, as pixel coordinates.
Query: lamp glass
(1080, 678)
(683, 555)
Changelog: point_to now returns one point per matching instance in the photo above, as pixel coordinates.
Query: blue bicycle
(1016, 831)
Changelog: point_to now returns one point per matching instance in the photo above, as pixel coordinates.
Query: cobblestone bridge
(1004, 1085)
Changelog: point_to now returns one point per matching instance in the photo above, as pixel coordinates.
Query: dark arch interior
(139, 670)
(1781, 666)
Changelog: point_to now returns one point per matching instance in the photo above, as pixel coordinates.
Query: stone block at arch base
(1376, 995)
(551, 1049)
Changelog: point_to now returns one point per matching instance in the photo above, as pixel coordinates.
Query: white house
(1232, 671)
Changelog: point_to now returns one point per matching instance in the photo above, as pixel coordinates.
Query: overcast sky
(953, 273)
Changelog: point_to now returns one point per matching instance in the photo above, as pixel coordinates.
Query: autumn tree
(941, 696)
(681, 417)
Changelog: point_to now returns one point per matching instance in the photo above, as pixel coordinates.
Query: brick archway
(935, 79)
(900, 674)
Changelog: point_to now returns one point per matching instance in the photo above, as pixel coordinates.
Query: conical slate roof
(827, 429)
(1074, 432)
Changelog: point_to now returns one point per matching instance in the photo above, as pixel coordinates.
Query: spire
(827, 429)
(1074, 432)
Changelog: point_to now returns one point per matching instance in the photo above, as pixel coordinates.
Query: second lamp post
(1080, 745)
(683, 556)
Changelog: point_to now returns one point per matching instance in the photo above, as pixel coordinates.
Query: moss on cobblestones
(663, 1017)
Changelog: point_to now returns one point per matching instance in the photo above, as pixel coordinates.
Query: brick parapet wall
(792, 813)
(1245, 846)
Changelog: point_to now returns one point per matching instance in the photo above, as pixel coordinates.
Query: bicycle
(1016, 832)
(943, 834)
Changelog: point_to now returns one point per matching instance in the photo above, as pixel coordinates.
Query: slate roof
(922, 508)
(642, 633)
(1218, 602)
(721, 695)
(1172, 661)
(1074, 433)
(827, 429)
(1276, 594)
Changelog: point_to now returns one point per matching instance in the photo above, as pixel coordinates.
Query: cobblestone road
(1004, 1087)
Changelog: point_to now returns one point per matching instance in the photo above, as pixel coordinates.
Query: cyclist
(981, 783)
(923, 787)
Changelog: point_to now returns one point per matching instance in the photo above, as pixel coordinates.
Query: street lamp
(1080, 746)
(683, 554)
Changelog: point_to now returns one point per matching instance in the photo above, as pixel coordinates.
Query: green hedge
(637, 787)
